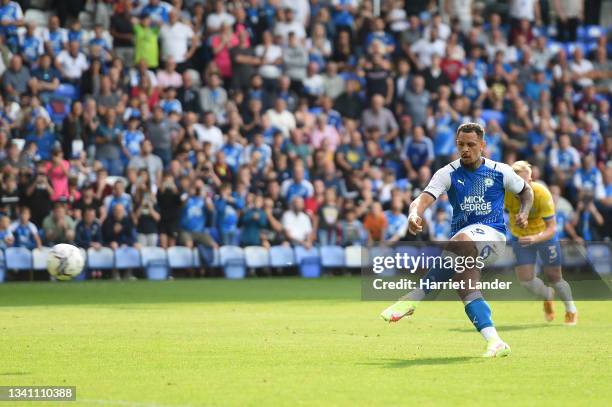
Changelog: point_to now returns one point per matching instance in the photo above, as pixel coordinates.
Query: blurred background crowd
(266, 122)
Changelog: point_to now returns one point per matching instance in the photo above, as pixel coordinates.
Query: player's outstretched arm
(526, 199)
(417, 208)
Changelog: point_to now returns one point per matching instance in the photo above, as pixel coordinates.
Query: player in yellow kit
(539, 239)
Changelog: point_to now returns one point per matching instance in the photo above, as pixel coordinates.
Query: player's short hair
(521, 166)
(471, 128)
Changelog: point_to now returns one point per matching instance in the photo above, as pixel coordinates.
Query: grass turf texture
(265, 342)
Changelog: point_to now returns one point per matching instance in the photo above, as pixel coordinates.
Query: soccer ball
(65, 261)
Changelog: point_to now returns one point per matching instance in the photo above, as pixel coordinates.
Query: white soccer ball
(65, 261)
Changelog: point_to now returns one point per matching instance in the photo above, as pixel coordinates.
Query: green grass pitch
(289, 342)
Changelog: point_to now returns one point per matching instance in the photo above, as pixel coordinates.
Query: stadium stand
(160, 137)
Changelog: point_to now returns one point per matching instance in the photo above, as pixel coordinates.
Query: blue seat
(68, 91)
(281, 256)
(233, 262)
(155, 263)
(599, 256)
(355, 256)
(332, 256)
(308, 261)
(18, 258)
(256, 256)
(594, 32)
(39, 258)
(102, 259)
(180, 257)
(58, 109)
(489, 114)
(127, 258)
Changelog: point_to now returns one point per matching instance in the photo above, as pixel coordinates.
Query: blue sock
(479, 312)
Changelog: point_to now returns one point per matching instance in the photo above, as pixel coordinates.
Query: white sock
(490, 333)
(564, 291)
(414, 295)
(538, 287)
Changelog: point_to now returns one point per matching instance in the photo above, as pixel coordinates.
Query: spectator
(397, 222)
(6, 236)
(118, 229)
(108, 143)
(227, 214)
(254, 221)
(281, 118)
(44, 139)
(219, 17)
(146, 38)
(381, 117)
(569, 15)
(45, 79)
(88, 232)
(352, 230)
(375, 224)
(349, 103)
(178, 41)
(158, 131)
(295, 61)
(416, 101)
(297, 226)
(15, 79)
(72, 63)
(25, 232)
(244, 62)
(196, 209)
(271, 56)
(214, 97)
(146, 215)
(122, 31)
(118, 197)
(58, 226)
(57, 171)
(326, 221)
(418, 152)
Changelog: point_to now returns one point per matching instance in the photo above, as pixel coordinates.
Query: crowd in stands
(266, 122)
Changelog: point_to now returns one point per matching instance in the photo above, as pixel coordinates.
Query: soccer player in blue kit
(476, 187)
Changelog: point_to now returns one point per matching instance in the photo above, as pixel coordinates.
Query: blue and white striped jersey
(477, 197)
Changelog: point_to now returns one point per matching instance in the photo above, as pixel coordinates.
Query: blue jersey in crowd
(397, 224)
(193, 215)
(132, 140)
(24, 234)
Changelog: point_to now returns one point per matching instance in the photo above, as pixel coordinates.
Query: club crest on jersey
(488, 182)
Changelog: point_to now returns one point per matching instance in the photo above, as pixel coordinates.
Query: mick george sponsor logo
(476, 204)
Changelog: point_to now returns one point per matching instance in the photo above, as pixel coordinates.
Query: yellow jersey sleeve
(543, 208)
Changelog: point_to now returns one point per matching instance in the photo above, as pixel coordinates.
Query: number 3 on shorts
(552, 252)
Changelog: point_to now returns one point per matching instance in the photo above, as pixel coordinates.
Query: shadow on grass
(404, 363)
(508, 328)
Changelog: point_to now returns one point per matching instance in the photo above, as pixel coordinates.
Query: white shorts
(490, 243)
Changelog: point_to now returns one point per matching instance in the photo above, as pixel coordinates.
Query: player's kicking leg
(476, 308)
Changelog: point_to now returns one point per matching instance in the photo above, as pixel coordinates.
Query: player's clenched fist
(521, 220)
(415, 224)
